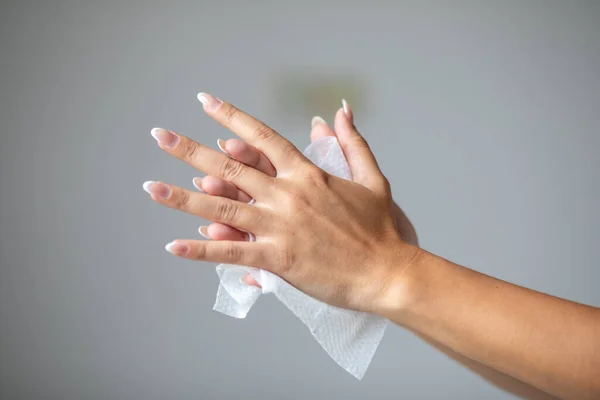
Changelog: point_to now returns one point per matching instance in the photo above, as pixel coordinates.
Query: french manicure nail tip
(197, 182)
(146, 186)
(209, 102)
(221, 145)
(203, 230)
(157, 189)
(180, 249)
(164, 137)
(317, 120)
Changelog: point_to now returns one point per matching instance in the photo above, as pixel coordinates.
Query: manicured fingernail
(157, 189)
(179, 249)
(210, 103)
(347, 110)
(198, 184)
(164, 137)
(203, 230)
(221, 144)
(317, 120)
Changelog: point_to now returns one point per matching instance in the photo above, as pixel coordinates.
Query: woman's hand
(333, 239)
(349, 139)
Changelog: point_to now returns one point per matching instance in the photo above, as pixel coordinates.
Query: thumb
(363, 164)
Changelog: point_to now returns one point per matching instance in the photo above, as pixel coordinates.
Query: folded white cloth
(349, 337)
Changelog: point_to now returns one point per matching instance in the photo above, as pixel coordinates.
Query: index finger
(280, 151)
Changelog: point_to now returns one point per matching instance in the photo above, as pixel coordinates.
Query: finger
(223, 232)
(218, 187)
(247, 154)
(361, 160)
(249, 279)
(219, 209)
(236, 253)
(281, 152)
(244, 153)
(319, 129)
(213, 162)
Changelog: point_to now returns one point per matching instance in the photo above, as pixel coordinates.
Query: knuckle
(233, 252)
(286, 260)
(297, 199)
(361, 143)
(190, 151)
(231, 169)
(226, 210)
(316, 176)
(182, 199)
(263, 133)
(201, 252)
(289, 151)
(230, 115)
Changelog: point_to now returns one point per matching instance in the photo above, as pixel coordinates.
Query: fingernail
(198, 184)
(157, 189)
(203, 230)
(317, 120)
(164, 137)
(209, 102)
(221, 144)
(244, 280)
(347, 109)
(179, 249)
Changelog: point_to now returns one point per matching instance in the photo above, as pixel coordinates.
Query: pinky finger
(229, 252)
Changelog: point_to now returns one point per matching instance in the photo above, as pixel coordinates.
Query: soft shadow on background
(484, 116)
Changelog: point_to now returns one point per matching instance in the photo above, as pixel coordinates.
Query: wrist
(398, 291)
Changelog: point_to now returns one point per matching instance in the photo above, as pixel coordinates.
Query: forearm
(550, 343)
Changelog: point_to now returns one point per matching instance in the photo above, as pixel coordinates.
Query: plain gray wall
(483, 114)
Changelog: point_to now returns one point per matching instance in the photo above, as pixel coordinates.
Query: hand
(311, 228)
(350, 141)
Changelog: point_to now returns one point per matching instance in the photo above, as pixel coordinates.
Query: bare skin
(252, 157)
(304, 219)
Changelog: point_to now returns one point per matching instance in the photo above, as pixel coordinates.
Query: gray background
(484, 115)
